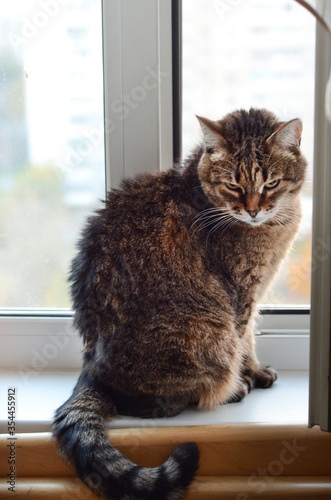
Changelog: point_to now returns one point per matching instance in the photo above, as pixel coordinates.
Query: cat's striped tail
(80, 433)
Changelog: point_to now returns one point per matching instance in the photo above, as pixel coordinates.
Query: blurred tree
(36, 245)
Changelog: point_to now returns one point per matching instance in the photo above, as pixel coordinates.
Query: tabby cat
(165, 287)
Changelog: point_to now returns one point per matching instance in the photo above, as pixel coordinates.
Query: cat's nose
(252, 213)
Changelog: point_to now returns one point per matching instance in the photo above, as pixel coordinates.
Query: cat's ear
(212, 136)
(287, 135)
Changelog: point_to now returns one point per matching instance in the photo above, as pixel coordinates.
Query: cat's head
(252, 167)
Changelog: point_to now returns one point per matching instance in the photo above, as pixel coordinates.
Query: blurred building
(64, 89)
(247, 53)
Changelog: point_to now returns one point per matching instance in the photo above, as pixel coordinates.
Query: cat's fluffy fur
(165, 287)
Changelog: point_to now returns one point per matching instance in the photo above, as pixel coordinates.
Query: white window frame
(320, 342)
(137, 41)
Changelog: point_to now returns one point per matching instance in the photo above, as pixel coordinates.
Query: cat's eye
(232, 186)
(272, 184)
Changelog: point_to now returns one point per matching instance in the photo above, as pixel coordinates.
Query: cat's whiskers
(208, 210)
(288, 209)
(279, 220)
(225, 226)
(286, 215)
(208, 213)
(209, 219)
(220, 218)
(291, 212)
(202, 224)
(226, 222)
(232, 222)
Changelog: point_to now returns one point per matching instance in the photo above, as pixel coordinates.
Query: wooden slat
(203, 488)
(61, 488)
(226, 450)
(242, 488)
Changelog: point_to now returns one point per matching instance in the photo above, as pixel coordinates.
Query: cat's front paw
(245, 387)
(264, 377)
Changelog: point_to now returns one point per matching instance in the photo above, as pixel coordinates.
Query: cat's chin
(254, 222)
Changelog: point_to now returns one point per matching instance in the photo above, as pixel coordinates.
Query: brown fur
(169, 273)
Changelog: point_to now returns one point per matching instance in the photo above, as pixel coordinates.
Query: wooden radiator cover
(238, 462)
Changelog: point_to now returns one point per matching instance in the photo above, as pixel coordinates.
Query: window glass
(254, 53)
(52, 169)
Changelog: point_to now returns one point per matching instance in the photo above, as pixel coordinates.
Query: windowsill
(38, 395)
